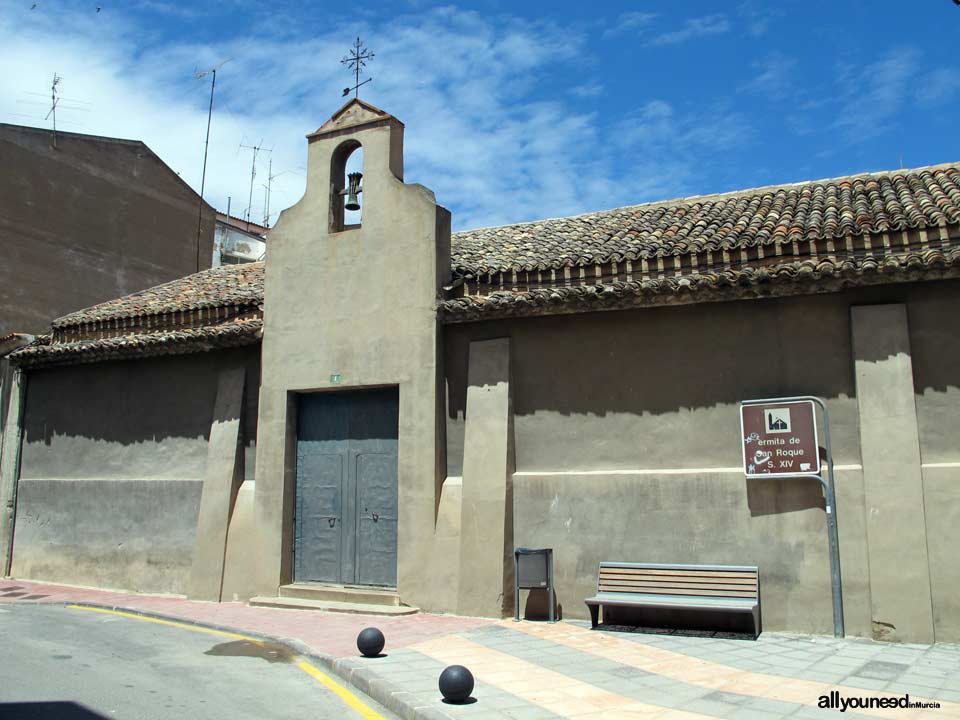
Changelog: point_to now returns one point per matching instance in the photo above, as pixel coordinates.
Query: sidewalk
(533, 670)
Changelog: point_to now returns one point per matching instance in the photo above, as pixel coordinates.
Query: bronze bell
(352, 191)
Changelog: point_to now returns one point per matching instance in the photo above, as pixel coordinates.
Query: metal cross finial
(356, 62)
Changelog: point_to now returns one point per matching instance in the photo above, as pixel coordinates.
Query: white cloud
(757, 16)
(874, 94)
(465, 85)
(939, 87)
(667, 147)
(588, 90)
(693, 28)
(774, 76)
(460, 82)
(629, 22)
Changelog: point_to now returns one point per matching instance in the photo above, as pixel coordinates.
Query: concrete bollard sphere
(456, 683)
(370, 642)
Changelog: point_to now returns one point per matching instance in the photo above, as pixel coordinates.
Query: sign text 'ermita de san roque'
(779, 439)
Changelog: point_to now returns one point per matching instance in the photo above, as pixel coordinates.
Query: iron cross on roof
(356, 61)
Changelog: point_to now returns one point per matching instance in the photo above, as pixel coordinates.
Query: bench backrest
(713, 581)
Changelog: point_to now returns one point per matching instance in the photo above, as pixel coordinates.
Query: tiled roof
(771, 216)
(807, 237)
(178, 342)
(217, 287)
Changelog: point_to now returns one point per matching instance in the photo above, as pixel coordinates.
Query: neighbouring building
(84, 219)
(238, 241)
(381, 411)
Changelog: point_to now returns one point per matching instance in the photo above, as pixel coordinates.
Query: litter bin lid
(532, 551)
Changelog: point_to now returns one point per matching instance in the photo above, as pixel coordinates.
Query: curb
(388, 694)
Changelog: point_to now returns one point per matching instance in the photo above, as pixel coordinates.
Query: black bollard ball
(456, 683)
(370, 642)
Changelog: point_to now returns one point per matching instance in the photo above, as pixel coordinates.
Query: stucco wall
(655, 388)
(88, 221)
(627, 442)
(935, 343)
(112, 469)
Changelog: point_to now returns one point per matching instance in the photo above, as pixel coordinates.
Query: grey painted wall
(113, 462)
(88, 221)
(627, 442)
(124, 534)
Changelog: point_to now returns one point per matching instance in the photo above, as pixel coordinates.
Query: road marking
(171, 623)
(348, 697)
(351, 700)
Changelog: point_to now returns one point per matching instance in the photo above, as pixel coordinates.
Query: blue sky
(513, 111)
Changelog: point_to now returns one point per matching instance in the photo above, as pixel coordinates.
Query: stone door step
(341, 594)
(293, 603)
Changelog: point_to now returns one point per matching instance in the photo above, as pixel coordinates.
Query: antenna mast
(206, 146)
(253, 173)
(54, 99)
(269, 188)
(266, 204)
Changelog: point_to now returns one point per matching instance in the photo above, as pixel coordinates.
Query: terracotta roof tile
(768, 217)
(178, 342)
(217, 287)
(684, 232)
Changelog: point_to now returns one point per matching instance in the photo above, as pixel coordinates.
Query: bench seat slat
(660, 582)
(674, 567)
(672, 588)
(746, 580)
(679, 571)
(692, 586)
(680, 579)
(651, 590)
(629, 599)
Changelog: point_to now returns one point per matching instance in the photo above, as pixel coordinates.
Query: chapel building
(382, 410)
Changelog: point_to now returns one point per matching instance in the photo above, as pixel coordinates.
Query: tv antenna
(54, 99)
(200, 74)
(269, 190)
(53, 102)
(356, 61)
(253, 173)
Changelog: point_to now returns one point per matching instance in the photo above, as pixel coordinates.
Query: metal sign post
(779, 439)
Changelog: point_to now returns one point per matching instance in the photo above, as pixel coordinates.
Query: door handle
(332, 521)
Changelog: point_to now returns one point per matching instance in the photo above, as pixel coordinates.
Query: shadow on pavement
(52, 710)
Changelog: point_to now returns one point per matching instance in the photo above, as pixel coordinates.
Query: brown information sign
(779, 438)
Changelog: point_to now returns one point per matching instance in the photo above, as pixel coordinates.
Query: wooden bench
(720, 588)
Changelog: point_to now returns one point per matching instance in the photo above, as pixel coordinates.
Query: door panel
(319, 538)
(377, 516)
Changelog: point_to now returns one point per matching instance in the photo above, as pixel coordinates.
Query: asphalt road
(73, 664)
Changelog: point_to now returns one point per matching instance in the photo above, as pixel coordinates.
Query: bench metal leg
(594, 615)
